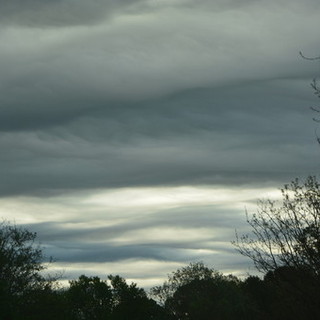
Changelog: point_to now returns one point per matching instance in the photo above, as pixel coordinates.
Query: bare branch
(308, 58)
(286, 233)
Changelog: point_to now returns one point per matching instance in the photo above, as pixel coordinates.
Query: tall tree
(21, 261)
(285, 245)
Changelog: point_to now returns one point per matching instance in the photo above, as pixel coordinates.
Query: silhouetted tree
(197, 292)
(131, 302)
(295, 293)
(48, 303)
(259, 296)
(20, 266)
(90, 298)
(180, 277)
(287, 234)
(285, 245)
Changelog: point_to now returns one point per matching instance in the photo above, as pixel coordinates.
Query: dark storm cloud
(101, 95)
(200, 136)
(61, 13)
(50, 77)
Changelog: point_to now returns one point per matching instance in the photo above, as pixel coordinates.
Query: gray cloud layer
(212, 224)
(115, 94)
(198, 136)
(59, 13)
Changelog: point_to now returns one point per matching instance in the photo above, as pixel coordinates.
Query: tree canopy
(21, 263)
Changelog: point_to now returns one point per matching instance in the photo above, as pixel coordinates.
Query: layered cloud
(138, 227)
(101, 97)
(199, 137)
(60, 13)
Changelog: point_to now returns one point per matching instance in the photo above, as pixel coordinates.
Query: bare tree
(286, 233)
(316, 90)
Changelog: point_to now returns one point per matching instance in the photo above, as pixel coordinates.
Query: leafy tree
(48, 303)
(90, 298)
(295, 293)
(287, 234)
(123, 292)
(131, 302)
(259, 296)
(197, 292)
(114, 299)
(216, 298)
(20, 268)
(285, 245)
(20, 259)
(182, 276)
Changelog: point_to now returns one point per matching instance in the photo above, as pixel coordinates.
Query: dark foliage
(197, 292)
(89, 298)
(20, 265)
(93, 298)
(285, 245)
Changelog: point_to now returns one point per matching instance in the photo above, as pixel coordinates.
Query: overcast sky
(135, 133)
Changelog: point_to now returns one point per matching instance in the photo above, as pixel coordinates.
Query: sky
(135, 134)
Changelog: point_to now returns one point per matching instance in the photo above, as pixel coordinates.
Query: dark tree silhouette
(21, 261)
(183, 276)
(197, 292)
(48, 303)
(295, 293)
(286, 234)
(90, 298)
(131, 302)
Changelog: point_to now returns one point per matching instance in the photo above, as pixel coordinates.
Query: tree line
(284, 244)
